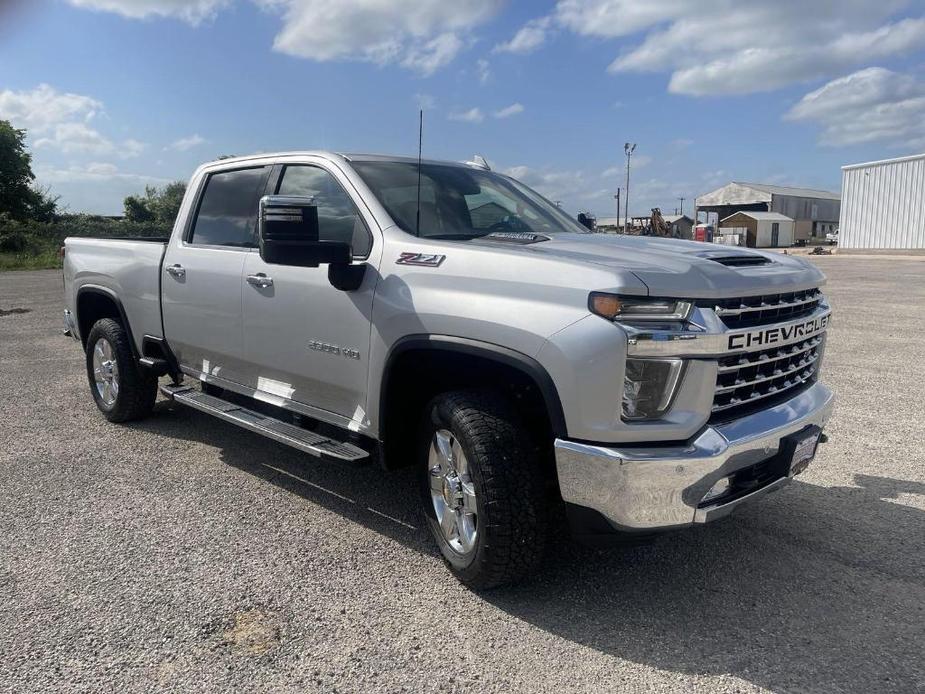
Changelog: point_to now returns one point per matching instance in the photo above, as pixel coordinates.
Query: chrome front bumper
(640, 489)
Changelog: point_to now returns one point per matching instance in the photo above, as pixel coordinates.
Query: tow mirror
(288, 234)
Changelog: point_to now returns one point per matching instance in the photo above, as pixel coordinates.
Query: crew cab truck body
(440, 315)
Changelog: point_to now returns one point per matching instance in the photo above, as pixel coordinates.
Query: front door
(203, 276)
(305, 340)
(775, 234)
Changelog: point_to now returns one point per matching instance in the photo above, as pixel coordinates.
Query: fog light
(648, 387)
(721, 487)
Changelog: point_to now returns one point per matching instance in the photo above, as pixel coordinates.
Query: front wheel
(483, 494)
(121, 389)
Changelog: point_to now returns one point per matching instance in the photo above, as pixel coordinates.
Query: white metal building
(883, 205)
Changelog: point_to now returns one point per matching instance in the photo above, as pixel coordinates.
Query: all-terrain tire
(509, 488)
(136, 389)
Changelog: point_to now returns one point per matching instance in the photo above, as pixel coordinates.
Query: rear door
(307, 341)
(202, 278)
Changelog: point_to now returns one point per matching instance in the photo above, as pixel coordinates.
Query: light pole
(617, 198)
(628, 149)
(681, 212)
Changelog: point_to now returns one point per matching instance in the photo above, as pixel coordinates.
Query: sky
(120, 94)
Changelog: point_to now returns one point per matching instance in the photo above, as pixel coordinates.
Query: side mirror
(288, 234)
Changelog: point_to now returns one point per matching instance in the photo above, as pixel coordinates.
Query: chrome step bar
(276, 429)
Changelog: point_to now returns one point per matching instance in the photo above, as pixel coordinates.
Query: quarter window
(227, 213)
(338, 217)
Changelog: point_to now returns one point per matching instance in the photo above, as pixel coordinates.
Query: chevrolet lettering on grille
(770, 336)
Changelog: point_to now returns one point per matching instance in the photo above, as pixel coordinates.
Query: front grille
(757, 380)
(751, 311)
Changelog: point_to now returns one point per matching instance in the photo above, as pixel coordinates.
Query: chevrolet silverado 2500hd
(447, 317)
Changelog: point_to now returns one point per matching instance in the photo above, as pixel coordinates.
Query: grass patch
(44, 260)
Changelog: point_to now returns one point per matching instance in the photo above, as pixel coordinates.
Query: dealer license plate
(804, 451)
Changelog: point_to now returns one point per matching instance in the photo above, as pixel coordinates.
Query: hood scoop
(737, 259)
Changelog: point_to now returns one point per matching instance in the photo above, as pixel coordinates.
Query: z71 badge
(421, 259)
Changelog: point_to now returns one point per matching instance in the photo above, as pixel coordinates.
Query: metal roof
(762, 216)
(739, 193)
(897, 160)
(795, 192)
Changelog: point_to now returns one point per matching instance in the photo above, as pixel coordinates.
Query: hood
(683, 269)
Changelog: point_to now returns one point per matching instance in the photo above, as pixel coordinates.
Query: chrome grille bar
(804, 362)
(759, 395)
(764, 306)
(762, 358)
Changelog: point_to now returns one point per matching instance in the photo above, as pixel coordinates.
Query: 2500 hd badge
(784, 333)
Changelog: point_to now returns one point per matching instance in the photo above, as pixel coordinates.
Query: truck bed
(129, 269)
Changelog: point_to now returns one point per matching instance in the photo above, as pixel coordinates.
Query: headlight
(649, 386)
(638, 308)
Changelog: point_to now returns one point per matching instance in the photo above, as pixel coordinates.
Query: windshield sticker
(420, 259)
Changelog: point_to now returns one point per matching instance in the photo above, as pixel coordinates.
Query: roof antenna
(417, 230)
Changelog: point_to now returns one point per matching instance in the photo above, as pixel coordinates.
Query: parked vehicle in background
(444, 316)
(831, 238)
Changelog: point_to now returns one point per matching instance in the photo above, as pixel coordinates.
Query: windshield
(460, 202)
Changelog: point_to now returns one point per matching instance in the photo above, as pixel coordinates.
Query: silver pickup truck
(446, 317)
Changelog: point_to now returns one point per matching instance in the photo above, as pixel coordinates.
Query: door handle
(260, 280)
(176, 270)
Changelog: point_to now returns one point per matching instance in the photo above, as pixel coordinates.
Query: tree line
(33, 225)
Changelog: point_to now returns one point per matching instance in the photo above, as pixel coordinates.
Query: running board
(272, 428)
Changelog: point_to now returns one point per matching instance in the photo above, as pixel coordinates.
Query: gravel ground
(184, 554)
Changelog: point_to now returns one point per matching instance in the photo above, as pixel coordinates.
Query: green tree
(159, 205)
(165, 202)
(136, 209)
(19, 200)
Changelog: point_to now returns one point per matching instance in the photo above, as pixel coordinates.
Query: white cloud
(80, 138)
(42, 108)
(528, 38)
(473, 115)
(61, 121)
(192, 11)
(422, 35)
(720, 47)
(185, 144)
(509, 111)
(640, 161)
(429, 57)
(871, 105)
(425, 102)
(96, 187)
(483, 69)
(94, 171)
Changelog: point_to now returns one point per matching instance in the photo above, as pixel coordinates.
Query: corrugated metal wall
(883, 204)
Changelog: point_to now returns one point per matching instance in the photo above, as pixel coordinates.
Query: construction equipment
(657, 224)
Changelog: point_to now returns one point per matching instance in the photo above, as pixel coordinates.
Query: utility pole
(628, 149)
(617, 198)
(682, 206)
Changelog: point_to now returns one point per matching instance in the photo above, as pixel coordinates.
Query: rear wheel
(121, 389)
(482, 491)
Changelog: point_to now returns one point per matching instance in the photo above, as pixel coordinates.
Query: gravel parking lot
(180, 553)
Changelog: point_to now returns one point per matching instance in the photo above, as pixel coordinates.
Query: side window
(338, 217)
(227, 213)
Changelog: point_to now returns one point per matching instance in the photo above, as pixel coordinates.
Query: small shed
(682, 226)
(759, 229)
